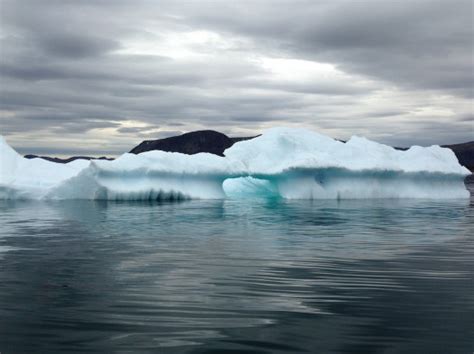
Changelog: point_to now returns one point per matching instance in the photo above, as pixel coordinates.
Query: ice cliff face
(288, 163)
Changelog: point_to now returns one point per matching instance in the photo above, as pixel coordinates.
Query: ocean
(237, 276)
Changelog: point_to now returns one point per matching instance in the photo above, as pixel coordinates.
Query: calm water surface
(237, 277)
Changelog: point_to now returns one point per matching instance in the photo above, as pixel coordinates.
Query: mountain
(191, 143)
(67, 160)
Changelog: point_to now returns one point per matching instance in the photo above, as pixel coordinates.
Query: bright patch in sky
(176, 45)
(300, 70)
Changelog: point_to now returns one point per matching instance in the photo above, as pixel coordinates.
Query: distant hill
(66, 160)
(191, 143)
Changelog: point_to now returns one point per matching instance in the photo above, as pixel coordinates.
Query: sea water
(248, 276)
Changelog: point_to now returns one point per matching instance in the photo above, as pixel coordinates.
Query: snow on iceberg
(288, 163)
(22, 178)
(301, 164)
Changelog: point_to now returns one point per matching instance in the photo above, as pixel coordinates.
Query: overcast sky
(97, 77)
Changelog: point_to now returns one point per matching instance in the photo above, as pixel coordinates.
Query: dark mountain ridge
(191, 143)
(68, 159)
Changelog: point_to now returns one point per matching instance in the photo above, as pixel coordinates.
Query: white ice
(282, 162)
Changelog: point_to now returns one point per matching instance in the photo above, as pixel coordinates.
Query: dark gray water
(232, 276)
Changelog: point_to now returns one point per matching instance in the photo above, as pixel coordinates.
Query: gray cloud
(423, 44)
(72, 45)
(426, 133)
(132, 130)
(69, 70)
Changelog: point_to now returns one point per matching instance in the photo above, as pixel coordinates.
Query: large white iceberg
(287, 163)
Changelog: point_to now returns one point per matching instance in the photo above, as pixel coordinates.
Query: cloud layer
(85, 77)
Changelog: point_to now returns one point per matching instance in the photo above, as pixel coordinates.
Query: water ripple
(223, 276)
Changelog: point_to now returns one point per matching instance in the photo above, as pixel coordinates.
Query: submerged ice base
(282, 163)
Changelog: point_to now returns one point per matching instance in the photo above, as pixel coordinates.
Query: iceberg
(281, 163)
